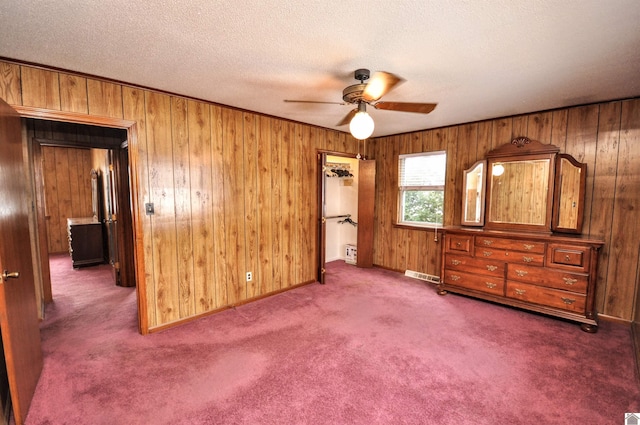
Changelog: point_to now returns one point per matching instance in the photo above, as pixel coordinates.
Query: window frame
(400, 222)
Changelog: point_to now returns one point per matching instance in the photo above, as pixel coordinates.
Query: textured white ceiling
(477, 59)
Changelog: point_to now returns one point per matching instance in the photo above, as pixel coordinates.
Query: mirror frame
(558, 195)
(481, 193)
(522, 149)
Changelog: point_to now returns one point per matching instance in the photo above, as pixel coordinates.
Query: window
(421, 188)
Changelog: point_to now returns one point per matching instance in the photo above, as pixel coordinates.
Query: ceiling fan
(360, 122)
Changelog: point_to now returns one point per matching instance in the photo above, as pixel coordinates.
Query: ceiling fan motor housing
(353, 94)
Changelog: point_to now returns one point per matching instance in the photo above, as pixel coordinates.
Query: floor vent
(422, 276)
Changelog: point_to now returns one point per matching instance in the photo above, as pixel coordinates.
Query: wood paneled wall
(67, 191)
(606, 136)
(233, 191)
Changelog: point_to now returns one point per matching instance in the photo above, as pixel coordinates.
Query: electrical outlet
(249, 276)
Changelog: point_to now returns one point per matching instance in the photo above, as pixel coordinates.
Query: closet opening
(346, 199)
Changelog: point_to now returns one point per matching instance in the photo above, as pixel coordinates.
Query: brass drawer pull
(491, 285)
(492, 268)
(456, 262)
(567, 258)
(520, 291)
(522, 273)
(455, 277)
(487, 242)
(568, 301)
(527, 259)
(487, 253)
(458, 244)
(528, 247)
(569, 281)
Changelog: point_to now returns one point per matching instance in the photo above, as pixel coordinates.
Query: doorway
(346, 186)
(341, 208)
(81, 173)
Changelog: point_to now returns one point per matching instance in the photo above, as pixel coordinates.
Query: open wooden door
(123, 226)
(18, 313)
(366, 199)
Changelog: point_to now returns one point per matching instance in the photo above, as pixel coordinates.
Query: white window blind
(422, 170)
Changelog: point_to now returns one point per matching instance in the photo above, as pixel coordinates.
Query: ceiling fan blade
(380, 84)
(347, 118)
(314, 101)
(420, 108)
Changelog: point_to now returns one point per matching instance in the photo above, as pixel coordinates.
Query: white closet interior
(341, 206)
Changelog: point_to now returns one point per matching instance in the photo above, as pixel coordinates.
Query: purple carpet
(369, 347)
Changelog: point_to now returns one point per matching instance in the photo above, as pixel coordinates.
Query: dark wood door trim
(41, 222)
(322, 234)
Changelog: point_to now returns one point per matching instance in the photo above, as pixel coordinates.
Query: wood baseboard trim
(179, 322)
(614, 319)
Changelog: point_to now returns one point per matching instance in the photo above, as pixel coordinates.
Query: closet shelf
(337, 169)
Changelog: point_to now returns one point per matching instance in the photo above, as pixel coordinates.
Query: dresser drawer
(541, 295)
(474, 265)
(510, 244)
(489, 284)
(459, 243)
(568, 256)
(550, 278)
(510, 256)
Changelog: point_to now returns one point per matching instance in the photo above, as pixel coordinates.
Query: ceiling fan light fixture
(362, 94)
(362, 125)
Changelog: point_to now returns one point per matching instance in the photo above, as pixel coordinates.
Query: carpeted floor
(369, 347)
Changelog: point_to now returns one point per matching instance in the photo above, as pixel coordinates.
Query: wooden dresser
(85, 241)
(546, 273)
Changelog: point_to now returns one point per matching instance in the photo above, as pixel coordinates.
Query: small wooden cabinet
(546, 273)
(85, 241)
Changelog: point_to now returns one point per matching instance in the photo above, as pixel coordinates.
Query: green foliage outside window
(423, 206)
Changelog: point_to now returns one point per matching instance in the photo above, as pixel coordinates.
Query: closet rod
(339, 216)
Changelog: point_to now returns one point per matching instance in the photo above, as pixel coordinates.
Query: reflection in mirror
(473, 196)
(95, 195)
(570, 180)
(519, 192)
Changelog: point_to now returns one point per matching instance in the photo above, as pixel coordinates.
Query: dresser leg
(442, 291)
(589, 328)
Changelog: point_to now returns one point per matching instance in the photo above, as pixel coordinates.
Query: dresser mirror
(570, 183)
(530, 187)
(520, 192)
(474, 192)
